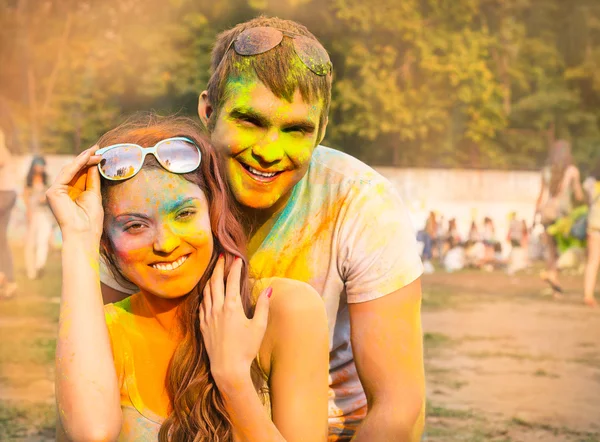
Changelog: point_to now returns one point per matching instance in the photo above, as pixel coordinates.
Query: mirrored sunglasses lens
(313, 55)
(255, 41)
(178, 156)
(120, 163)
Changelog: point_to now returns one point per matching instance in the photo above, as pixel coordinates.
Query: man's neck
(259, 222)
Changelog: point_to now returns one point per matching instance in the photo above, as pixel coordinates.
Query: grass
(556, 431)
(504, 354)
(438, 411)
(28, 324)
(544, 374)
(436, 340)
(31, 420)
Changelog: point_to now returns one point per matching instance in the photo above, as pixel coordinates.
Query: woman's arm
(26, 199)
(538, 202)
(87, 391)
(296, 353)
(577, 189)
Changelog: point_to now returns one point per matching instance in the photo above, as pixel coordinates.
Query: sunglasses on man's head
(122, 161)
(261, 39)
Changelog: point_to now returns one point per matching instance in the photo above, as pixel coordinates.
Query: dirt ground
(504, 361)
(507, 362)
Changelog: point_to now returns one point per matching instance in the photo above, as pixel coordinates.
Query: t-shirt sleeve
(377, 243)
(111, 318)
(107, 277)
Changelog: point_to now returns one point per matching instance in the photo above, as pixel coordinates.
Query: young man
(320, 216)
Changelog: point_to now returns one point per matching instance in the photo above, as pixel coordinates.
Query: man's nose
(270, 149)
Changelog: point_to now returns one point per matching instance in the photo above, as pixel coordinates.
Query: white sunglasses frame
(145, 151)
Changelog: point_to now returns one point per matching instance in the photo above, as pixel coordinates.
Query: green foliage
(467, 83)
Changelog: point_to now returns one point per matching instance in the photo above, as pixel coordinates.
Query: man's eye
(250, 121)
(296, 130)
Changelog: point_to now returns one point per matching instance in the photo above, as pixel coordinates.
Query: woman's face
(39, 168)
(158, 228)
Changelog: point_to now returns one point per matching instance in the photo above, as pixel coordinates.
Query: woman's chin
(169, 291)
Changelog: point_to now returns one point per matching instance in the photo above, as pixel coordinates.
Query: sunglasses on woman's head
(261, 39)
(124, 160)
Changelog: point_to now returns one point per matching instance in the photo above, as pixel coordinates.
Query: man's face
(267, 142)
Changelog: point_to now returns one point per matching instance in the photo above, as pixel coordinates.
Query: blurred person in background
(8, 197)
(428, 236)
(489, 241)
(453, 237)
(440, 238)
(474, 235)
(560, 184)
(524, 235)
(39, 218)
(474, 248)
(592, 188)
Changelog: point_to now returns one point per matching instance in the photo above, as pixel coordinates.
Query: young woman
(39, 218)
(8, 198)
(180, 360)
(560, 184)
(592, 186)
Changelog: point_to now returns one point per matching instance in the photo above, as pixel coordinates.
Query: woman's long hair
(559, 160)
(197, 410)
(596, 170)
(32, 172)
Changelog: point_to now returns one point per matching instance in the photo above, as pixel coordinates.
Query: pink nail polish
(269, 292)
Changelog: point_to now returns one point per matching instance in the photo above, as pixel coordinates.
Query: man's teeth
(259, 173)
(170, 266)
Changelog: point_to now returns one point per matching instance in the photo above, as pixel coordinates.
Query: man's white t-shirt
(347, 233)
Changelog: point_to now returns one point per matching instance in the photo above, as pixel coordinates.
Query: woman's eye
(186, 214)
(134, 227)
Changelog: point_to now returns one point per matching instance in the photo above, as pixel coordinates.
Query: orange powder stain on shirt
(144, 338)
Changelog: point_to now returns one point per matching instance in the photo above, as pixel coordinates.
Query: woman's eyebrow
(170, 206)
(131, 215)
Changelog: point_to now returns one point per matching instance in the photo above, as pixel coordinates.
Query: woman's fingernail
(269, 292)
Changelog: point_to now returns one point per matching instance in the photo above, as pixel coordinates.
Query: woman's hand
(75, 199)
(232, 340)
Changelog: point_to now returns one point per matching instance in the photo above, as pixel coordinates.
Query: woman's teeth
(259, 173)
(170, 266)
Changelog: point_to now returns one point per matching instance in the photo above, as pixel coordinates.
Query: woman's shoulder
(116, 312)
(572, 171)
(293, 306)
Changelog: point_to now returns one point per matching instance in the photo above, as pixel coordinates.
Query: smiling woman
(179, 360)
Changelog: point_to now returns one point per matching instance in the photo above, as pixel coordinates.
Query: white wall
(467, 195)
(460, 194)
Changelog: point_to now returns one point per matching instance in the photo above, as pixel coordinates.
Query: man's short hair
(279, 69)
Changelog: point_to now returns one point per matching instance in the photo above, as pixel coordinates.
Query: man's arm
(387, 343)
